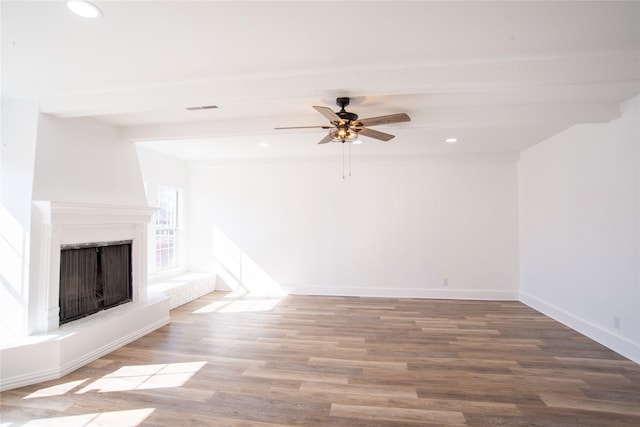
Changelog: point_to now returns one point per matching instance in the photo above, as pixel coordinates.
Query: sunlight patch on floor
(128, 418)
(144, 377)
(240, 302)
(56, 390)
(244, 306)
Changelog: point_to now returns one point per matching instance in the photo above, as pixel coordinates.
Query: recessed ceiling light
(451, 140)
(357, 141)
(84, 8)
(264, 144)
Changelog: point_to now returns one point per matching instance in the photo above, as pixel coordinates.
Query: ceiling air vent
(202, 107)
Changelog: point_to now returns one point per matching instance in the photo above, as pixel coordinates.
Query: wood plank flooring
(230, 360)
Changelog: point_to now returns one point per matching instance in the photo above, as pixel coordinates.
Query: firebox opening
(94, 277)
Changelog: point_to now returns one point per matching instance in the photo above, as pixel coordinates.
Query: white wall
(160, 169)
(579, 229)
(395, 228)
(85, 161)
(17, 153)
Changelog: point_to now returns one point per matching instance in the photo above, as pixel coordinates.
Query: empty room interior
(336, 213)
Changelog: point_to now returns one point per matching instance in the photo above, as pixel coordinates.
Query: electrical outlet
(445, 281)
(616, 322)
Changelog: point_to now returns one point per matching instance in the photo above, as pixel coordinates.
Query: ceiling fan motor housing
(345, 115)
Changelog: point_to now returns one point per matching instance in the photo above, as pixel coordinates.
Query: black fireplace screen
(93, 277)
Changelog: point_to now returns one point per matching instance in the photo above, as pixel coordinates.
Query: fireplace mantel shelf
(80, 213)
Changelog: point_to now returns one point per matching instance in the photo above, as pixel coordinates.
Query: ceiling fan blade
(304, 127)
(326, 139)
(328, 113)
(384, 120)
(376, 134)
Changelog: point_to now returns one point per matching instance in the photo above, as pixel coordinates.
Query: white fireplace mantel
(56, 224)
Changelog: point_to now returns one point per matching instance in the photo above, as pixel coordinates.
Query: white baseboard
(616, 343)
(85, 359)
(468, 294)
(28, 379)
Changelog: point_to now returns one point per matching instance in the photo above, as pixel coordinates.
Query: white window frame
(153, 267)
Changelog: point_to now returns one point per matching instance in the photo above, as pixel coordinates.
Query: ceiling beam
(451, 118)
(396, 80)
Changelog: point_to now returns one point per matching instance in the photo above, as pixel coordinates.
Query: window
(167, 228)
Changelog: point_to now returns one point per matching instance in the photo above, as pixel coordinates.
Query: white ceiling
(499, 76)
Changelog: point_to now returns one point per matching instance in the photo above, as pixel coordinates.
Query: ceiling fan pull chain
(343, 160)
(349, 159)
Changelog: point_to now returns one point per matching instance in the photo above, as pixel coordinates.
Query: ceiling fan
(346, 127)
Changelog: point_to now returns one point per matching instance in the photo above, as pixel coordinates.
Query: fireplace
(68, 234)
(93, 277)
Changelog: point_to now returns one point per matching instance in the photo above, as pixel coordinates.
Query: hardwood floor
(228, 360)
